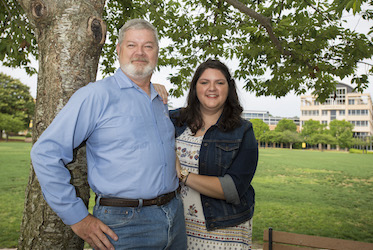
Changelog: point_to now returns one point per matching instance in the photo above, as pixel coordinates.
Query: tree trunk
(70, 35)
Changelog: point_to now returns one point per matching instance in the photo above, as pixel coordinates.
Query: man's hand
(93, 231)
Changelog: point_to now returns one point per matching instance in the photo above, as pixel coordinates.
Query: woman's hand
(162, 92)
(178, 167)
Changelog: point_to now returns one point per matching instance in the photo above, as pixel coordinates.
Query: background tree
(260, 128)
(17, 102)
(321, 139)
(342, 131)
(361, 143)
(9, 124)
(272, 136)
(312, 127)
(290, 137)
(286, 124)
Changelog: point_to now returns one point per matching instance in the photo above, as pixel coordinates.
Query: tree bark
(70, 36)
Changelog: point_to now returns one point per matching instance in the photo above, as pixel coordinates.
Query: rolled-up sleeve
(242, 169)
(229, 189)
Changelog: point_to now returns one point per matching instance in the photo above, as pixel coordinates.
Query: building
(272, 121)
(343, 104)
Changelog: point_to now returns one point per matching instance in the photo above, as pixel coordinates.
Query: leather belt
(121, 202)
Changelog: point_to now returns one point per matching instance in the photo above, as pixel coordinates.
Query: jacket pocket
(225, 153)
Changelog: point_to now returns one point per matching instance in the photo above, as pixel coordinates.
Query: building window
(341, 112)
(333, 115)
(337, 98)
(359, 123)
(324, 122)
(324, 112)
(358, 112)
(351, 102)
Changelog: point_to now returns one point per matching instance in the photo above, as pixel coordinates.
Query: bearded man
(130, 148)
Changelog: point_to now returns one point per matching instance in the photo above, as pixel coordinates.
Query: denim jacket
(232, 154)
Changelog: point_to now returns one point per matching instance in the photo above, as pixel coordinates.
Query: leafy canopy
(16, 100)
(286, 125)
(311, 127)
(342, 131)
(260, 128)
(278, 46)
(8, 123)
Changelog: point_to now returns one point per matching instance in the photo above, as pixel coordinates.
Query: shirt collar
(124, 81)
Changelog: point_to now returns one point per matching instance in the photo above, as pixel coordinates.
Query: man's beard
(137, 71)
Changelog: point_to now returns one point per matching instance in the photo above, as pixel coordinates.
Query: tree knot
(39, 9)
(97, 29)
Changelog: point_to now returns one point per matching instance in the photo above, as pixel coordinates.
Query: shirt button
(206, 144)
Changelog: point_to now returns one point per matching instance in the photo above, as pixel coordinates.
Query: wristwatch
(183, 173)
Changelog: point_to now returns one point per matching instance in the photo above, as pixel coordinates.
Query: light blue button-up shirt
(130, 146)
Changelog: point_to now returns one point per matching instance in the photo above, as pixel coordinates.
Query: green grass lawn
(14, 171)
(309, 192)
(316, 193)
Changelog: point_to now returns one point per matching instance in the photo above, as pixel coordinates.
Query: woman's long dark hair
(231, 115)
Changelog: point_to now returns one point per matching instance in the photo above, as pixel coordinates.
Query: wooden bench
(276, 240)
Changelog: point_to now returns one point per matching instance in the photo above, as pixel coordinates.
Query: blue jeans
(148, 227)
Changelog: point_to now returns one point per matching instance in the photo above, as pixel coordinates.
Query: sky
(287, 106)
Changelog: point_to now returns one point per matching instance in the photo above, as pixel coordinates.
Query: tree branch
(264, 21)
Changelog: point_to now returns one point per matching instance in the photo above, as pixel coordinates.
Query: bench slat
(276, 246)
(316, 241)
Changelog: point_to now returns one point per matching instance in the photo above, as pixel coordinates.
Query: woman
(218, 153)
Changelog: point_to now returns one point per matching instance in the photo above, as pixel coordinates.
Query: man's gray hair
(137, 24)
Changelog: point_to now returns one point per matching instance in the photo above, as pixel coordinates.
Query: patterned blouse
(237, 237)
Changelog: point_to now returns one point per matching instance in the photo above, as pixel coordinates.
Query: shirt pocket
(167, 130)
(225, 153)
(123, 130)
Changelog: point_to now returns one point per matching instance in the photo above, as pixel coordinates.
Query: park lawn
(317, 193)
(14, 171)
(310, 192)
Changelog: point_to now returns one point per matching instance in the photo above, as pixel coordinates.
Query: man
(130, 155)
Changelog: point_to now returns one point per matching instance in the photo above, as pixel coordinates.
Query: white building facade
(344, 104)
